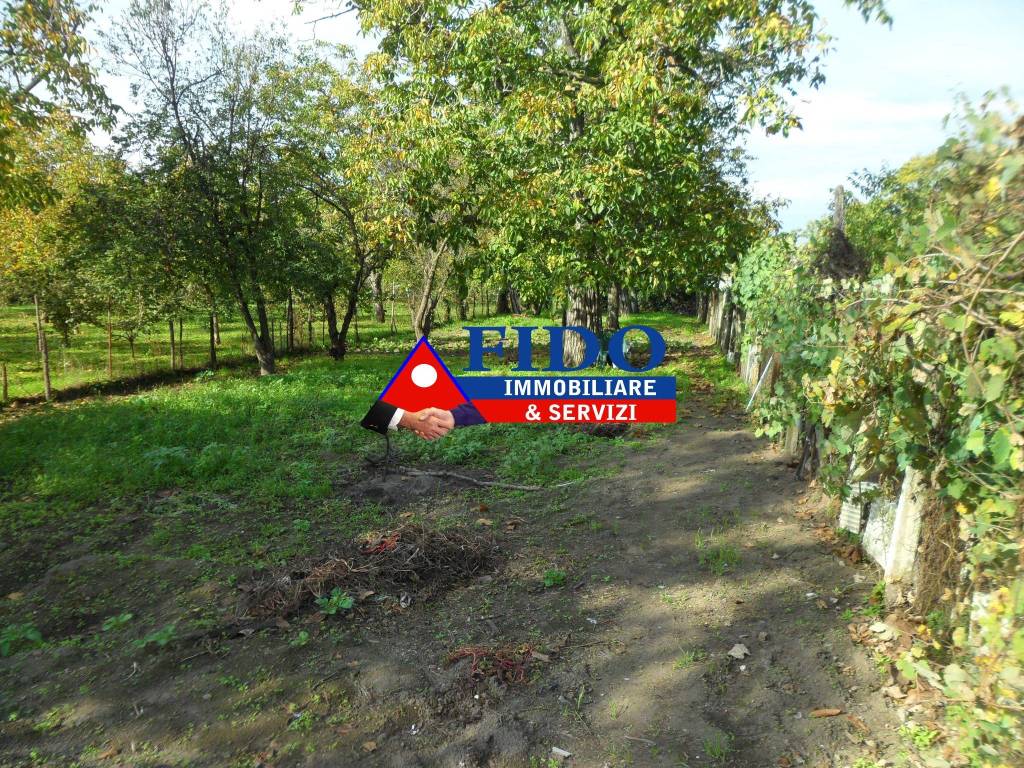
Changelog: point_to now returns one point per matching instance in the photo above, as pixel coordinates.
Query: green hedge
(921, 365)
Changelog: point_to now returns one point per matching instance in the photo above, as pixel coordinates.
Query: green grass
(688, 657)
(717, 558)
(229, 470)
(83, 360)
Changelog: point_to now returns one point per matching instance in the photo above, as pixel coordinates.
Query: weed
(718, 746)
(301, 722)
(117, 622)
(688, 657)
(159, 637)
(17, 637)
(875, 603)
(921, 737)
(938, 623)
(716, 558)
(300, 639)
(554, 577)
(230, 681)
(338, 600)
(52, 720)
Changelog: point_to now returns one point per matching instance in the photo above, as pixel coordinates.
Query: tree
(34, 259)
(206, 121)
(44, 70)
(342, 160)
(612, 126)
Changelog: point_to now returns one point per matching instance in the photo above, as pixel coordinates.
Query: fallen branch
(486, 483)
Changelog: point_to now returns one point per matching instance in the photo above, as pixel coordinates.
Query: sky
(886, 93)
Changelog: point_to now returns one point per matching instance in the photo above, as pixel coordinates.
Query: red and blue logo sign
(424, 381)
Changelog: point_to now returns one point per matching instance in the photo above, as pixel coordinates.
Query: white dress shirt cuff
(399, 413)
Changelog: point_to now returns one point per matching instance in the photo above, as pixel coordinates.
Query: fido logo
(424, 393)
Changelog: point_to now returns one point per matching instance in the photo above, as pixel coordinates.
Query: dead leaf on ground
(739, 651)
(894, 692)
(484, 521)
(369, 746)
(859, 724)
(826, 712)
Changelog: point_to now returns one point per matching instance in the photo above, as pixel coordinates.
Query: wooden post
(291, 322)
(3, 369)
(394, 323)
(181, 346)
(174, 355)
(110, 345)
(44, 351)
(839, 209)
(213, 340)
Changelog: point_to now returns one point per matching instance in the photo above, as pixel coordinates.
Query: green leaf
(999, 444)
(975, 442)
(994, 387)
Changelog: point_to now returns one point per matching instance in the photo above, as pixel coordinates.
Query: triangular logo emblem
(423, 381)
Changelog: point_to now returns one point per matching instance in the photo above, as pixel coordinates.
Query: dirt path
(691, 548)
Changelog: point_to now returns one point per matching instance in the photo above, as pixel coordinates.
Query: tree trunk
(503, 306)
(260, 335)
(110, 345)
(181, 347)
(44, 352)
(613, 307)
(174, 353)
(423, 317)
(3, 371)
(376, 280)
(507, 302)
(291, 322)
(309, 328)
(461, 290)
(394, 319)
(584, 310)
(337, 348)
(216, 327)
(213, 340)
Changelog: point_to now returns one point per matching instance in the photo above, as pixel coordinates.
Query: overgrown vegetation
(920, 366)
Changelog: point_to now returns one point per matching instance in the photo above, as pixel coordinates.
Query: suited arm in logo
(429, 423)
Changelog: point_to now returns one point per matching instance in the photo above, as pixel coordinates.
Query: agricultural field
(146, 537)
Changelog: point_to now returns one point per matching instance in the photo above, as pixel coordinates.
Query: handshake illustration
(428, 423)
